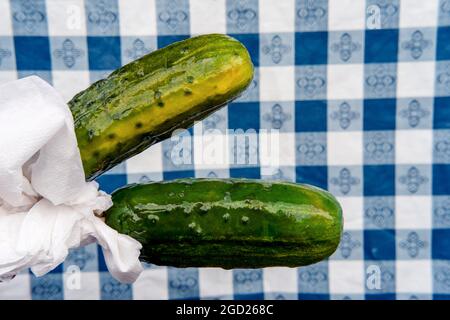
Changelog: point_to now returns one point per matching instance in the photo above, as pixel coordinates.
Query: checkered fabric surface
(360, 91)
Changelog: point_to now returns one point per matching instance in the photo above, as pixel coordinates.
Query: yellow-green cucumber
(228, 223)
(146, 100)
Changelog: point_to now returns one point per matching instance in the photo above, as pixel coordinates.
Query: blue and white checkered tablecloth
(360, 91)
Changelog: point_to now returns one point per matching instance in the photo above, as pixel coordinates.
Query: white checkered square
(69, 83)
(353, 212)
(215, 282)
(208, 16)
(148, 161)
(414, 146)
(345, 81)
(81, 286)
(5, 21)
(418, 13)
(413, 212)
(346, 277)
(415, 79)
(276, 16)
(413, 276)
(17, 289)
(346, 15)
(277, 83)
(6, 76)
(151, 285)
(137, 17)
(66, 18)
(280, 279)
(345, 148)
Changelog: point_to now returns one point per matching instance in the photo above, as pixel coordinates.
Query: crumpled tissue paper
(46, 205)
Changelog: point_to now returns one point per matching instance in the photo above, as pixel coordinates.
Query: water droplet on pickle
(226, 217)
(192, 225)
(153, 218)
(227, 197)
(245, 219)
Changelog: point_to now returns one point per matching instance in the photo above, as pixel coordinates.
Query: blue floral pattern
(311, 15)
(115, 290)
(311, 149)
(47, 288)
(277, 117)
(442, 277)
(4, 53)
(102, 16)
(414, 113)
(442, 147)
(242, 15)
(313, 278)
(68, 53)
(380, 212)
(276, 49)
(412, 244)
(379, 148)
(344, 115)
(183, 282)
(246, 277)
(416, 45)
(345, 181)
(443, 79)
(347, 245)
(389, 10)
(173, 16)
(442, 212)
(413, 179)
(247, 280)
(137, 50)
(346, 46)
(381, 81)
(30, 15)
(444, 12)
(80, 257)
(312, 83)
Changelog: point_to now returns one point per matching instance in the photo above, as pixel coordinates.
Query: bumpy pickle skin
(146, 100)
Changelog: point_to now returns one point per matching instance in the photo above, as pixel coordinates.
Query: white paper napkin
(46, 206)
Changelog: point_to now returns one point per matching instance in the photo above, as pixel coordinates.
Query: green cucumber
(228, 223)
(146, 100)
